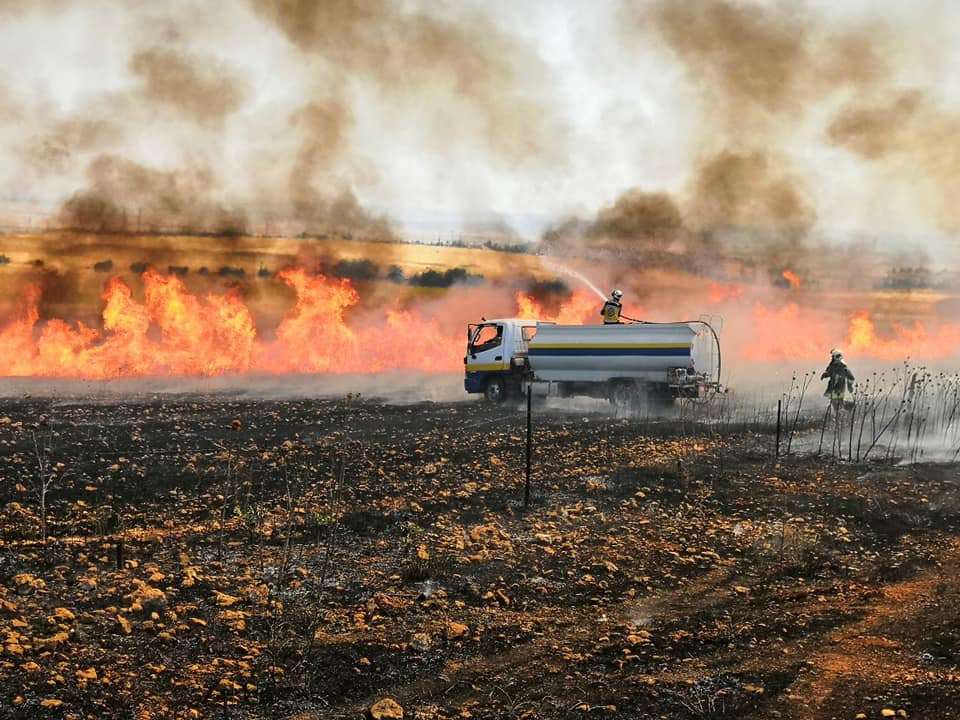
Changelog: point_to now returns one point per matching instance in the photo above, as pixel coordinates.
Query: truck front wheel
(495, 390)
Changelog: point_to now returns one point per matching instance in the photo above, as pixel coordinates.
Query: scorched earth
(212, 557)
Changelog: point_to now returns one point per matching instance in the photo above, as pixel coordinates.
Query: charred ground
(213, 557)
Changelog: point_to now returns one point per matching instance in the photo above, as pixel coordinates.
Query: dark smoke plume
(749, 57)
(761, 66)
(731, 192)
(640, 227)
(875, 131)
(912, 142)
(195, 86)
(55, 149)
(638, 216)
(748, 190)
(412, 56)
(324, 127)
(124, 196)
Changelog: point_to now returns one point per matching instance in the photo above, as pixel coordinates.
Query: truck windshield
(486, 337)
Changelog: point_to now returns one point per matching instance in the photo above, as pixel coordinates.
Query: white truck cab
(493, 346)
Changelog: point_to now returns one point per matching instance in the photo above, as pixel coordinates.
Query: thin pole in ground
(779, 404)
(526, 490)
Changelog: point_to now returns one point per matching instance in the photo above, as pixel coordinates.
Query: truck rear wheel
(495, 390)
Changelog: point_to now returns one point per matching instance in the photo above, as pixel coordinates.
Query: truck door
(487, 350)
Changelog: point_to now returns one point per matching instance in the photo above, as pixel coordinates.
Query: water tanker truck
(630, 364)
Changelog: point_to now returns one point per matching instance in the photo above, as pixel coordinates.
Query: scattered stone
(421, 642)
(456, 630)
(62, 614)
(224, 600)
(146, 598)
(386, 709)
(124, 624)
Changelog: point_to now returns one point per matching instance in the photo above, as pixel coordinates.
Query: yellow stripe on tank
(485, 367)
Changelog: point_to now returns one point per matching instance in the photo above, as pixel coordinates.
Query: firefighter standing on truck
(611, 309)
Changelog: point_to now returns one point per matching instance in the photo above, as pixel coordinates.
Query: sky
(437, 114)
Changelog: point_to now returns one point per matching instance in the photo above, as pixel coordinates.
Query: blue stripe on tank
(609, 352)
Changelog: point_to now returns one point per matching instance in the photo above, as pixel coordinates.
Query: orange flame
(792, 278)
(796, 333)
(906, 342)
(717, 293)
(177, 333)
(787, 333)
(580, 308)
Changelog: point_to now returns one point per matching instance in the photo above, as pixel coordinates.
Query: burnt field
(208, 557)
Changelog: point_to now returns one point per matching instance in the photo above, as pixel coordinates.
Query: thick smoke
(907, 138)
(56, 148)
(123, 196)
(324, 127)
(749, 190)
(761, 66)
(777, 91)
(747, 61)
(467, 71)
(758, 72)
(196, 87)
(185, 114)
(635, 226)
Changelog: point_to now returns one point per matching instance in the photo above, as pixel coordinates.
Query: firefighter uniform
(839, 380)
(611, 312)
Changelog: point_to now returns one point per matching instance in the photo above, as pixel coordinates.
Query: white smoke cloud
(616, 109)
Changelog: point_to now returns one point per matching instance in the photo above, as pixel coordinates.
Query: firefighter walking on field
(839, 380)
(611, 309)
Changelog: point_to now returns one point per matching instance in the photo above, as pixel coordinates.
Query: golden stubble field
(71, 269)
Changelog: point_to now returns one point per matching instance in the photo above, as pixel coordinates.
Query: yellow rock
(88, 674)
(26, 580)
(224, 600)
(887, 712)
(386, 709)
(55, 640)
(124, 624)
(456, 630)
(146, 598)
(63, 614)
(51, 703)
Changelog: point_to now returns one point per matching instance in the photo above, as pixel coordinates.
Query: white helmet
(616, 294)
(836, 354)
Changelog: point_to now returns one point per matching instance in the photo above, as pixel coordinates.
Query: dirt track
(373, 550)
